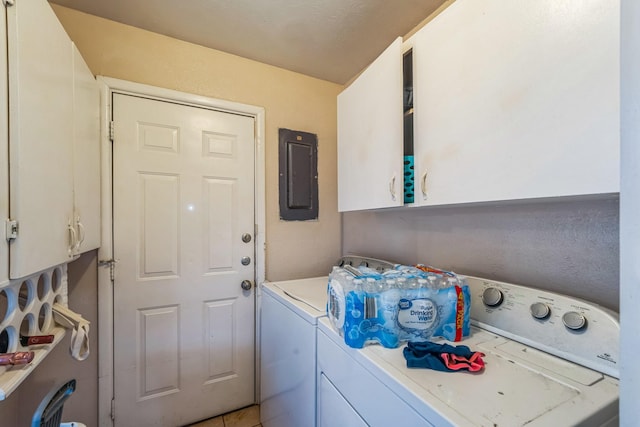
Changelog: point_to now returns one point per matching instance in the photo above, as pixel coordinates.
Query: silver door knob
(245, 260)
(246, 285)
(246, 237)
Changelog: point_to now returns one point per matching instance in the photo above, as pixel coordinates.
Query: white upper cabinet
(40, 138)
(54, 167)
(517, 100)
(511, 101)
(86, 155)
(370, 150)
(4, 151)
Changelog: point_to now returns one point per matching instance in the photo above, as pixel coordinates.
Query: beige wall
(291, 100)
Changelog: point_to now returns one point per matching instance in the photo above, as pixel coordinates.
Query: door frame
(109, 86)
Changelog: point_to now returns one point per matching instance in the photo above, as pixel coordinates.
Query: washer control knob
(539, 310)
(574, 320)
(492, 297)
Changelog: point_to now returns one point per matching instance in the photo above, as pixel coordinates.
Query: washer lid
(519, 386)
(560, 367)
(312, 292)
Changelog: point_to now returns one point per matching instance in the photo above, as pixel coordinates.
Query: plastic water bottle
(422, 288)
(432, 282)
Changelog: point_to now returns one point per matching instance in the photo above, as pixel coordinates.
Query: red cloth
(456, 363)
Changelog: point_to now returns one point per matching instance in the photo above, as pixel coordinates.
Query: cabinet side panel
(4, 149)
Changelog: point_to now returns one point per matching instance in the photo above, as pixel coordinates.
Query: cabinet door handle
(392, 187)
(81, 233)
(423, 184)
(73, 239)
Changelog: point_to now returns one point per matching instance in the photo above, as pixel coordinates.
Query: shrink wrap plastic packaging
(407, 303)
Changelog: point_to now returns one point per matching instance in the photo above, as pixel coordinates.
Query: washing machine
(288, 316)
(550, 360)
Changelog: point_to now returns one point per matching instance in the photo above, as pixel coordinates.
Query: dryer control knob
(574, 320)
(539, 310)
(492, 297)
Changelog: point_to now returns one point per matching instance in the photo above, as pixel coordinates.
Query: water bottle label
(418, 314)
(336, 304)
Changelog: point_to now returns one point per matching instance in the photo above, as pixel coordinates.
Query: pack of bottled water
(406, 303)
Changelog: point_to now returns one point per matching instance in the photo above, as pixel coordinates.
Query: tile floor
(246, 417)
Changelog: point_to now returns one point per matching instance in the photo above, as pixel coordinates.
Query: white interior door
(183, 198)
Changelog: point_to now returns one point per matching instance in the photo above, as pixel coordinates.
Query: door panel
(219, 337)
(161, 367)
(159, 229)
(183, 197)
(219, 195)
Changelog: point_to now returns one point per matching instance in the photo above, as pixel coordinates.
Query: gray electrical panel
(298, 153)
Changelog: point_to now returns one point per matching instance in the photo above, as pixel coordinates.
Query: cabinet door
(370, 125)
(517, 100)
(86, 155)
(40, 137)
(4, 150)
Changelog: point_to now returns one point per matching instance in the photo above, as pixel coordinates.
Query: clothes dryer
(288, 317)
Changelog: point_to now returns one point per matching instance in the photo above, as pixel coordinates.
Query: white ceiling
(329, 39)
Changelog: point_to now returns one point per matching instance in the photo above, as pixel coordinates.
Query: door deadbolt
(246, 285)
(246, 237)
(245, 260)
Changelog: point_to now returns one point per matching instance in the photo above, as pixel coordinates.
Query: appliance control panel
(567, 327)
(357, 260)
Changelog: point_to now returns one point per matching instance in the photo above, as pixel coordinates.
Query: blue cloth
(429, 355)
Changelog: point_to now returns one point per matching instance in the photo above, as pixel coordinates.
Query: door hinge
(112, 266)
(11, 230)
(112, 130)
(113, 409)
